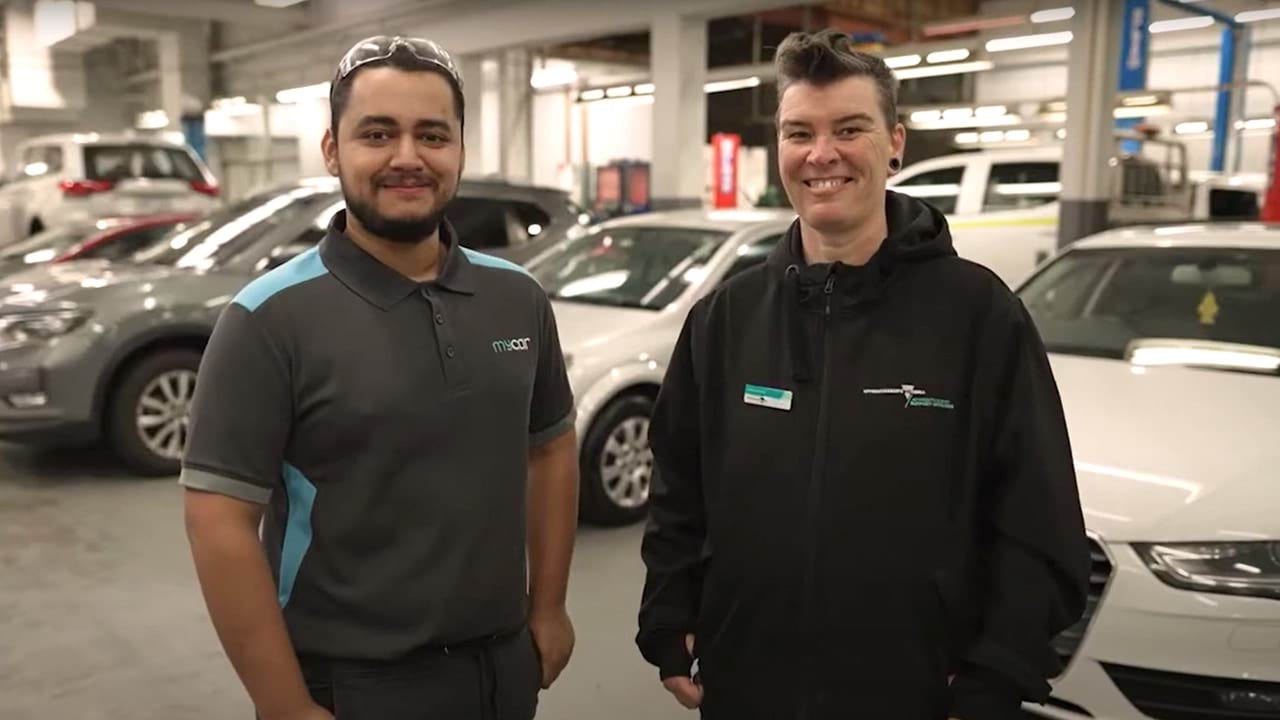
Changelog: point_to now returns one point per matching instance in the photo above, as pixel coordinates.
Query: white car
(1002, 205)
(1165, 344)
(621, 291)
(75, 179)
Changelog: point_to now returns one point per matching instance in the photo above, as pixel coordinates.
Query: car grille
(1068, 642)
(1174, 696)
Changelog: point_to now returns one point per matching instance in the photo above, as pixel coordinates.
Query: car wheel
(617, 464)
(150, 412)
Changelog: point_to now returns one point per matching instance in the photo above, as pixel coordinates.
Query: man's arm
(553, 500)
(553, 525)
(241, 418)
(675, 535)
(1037, 553)
(241, 596)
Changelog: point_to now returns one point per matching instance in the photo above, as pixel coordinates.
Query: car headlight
(1245, 568)
(26, 327)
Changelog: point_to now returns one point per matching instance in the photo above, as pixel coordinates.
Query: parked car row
(1164, 341)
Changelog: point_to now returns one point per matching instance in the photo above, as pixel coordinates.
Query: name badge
(767, 397)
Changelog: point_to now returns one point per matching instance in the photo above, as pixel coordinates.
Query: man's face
(398, 152)
(833, 152)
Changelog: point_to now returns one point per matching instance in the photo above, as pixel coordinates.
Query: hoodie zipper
(819, 468)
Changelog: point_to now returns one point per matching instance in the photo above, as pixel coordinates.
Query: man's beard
(408, 231)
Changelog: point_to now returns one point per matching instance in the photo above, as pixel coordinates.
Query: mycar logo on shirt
(915, 397)
(512, 345)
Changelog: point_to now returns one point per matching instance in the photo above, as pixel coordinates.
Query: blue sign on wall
(1134, 51)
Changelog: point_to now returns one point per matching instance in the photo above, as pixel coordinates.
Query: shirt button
(439, 319)
(450, 351)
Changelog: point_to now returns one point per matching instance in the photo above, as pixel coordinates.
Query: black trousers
(491, 679)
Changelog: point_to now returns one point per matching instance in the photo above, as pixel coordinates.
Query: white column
(169, 53)
(515, 104)
(678, 48)
(1091, 95)
(311, 118)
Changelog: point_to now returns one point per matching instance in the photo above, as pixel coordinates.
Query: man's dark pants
(492, 679)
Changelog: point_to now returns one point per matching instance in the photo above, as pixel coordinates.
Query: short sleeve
(241, 413)
(551, 413)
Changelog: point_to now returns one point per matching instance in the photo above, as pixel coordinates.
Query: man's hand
(687, 691)
(553, 637)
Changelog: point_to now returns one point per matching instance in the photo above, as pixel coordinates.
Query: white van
(1002, 205)
(78, 178)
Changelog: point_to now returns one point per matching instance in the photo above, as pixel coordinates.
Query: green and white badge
(767, 397)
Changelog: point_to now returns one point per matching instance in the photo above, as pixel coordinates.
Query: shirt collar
(379, 284)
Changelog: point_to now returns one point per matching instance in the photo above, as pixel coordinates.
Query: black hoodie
(864, 486)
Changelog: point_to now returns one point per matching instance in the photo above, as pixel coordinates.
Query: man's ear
(898, 140)
(329, 147)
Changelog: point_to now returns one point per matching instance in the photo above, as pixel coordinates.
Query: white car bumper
(1154, 651)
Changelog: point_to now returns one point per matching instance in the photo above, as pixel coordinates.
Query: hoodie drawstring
(798, 340)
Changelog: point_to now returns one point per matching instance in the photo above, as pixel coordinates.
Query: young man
(391, 402)
(865, 503)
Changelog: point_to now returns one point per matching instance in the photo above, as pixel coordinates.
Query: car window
(125, 244)
(939, 188)
(223, 235)
(751, 254)
(481, 223)
(40, 160)
(121, 162)
(627, 266)
(1014, 186)
(1095, 302)
(47, 244)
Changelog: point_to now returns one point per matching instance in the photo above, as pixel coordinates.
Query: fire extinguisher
(1271, 206)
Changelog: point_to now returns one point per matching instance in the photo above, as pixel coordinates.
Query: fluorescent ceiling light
(644, 89)
(1054, 15)
(951, 69)
(152, 120)
(991, 111)
(306, 92)
(555, 76)
(1140, 112)
(957, 113)
(967, 137)
(727, 85)
(597, 94)
(1188, 23)
(991, 136)
(1256, 124)
(926, 116)
(902, 61)
(946, 56)
(1024, 42)
(1191, 128)
(1139, 100)
(1017, 135)
(618, 92)
(1258, 15)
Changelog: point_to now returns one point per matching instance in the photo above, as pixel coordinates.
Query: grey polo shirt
(386, 424)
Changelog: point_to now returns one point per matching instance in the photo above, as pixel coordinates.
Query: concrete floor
(101, 617)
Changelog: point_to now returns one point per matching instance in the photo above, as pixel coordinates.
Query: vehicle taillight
(81, 188)
(205, 188)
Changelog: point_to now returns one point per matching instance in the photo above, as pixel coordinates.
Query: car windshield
(47, 244)
(221, 236)
(1217, 307)
(640, 267)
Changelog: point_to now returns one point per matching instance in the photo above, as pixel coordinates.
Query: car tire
(151, 405)
(616, 463)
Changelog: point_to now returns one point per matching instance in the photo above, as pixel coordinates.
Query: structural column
(1091, 93)
(515, 113)
(678, 48)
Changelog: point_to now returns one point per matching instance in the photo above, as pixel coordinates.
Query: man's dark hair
(826, 57)
(401, 59)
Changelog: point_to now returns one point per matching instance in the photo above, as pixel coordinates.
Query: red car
(111, 239)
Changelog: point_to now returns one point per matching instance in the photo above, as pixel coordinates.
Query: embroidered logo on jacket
(914, 397)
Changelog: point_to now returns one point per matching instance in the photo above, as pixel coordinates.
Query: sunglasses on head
(381, 47)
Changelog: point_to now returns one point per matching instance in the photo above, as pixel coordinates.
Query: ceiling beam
(240, 12)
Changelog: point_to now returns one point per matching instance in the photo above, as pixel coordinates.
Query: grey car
(93, 350)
